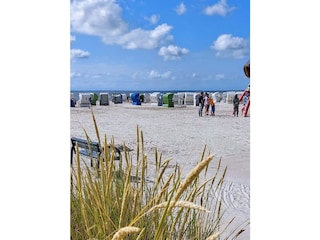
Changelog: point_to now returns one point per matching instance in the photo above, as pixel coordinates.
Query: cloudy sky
(159, 45)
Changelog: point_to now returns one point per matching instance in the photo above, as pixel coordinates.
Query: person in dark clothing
(235, 105)
(201, 104)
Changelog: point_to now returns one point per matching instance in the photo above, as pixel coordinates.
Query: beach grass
(116, 200)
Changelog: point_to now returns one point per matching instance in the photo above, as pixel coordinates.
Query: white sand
(179, 133)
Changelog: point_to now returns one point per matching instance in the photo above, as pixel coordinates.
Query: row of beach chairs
(182, 98)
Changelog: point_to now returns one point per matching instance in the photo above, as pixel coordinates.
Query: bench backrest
(93, 146)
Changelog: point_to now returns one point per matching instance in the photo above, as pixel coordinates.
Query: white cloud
(72, 38)
(103, 18)
(219, 76)
(221, 8)
(172, 52)
(154, 19)
(139, 38)
(155, 74)
(181, 9)
(96, 76)
(74, 74)
(97, 17)
(228, 46)
(78, 53)
(226, 41)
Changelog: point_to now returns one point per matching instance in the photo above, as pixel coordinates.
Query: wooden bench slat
(89, 154)
(90, 149)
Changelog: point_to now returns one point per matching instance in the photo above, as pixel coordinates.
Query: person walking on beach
(206, 103)
(201, 102)
(211, 103)
(235, 105)
(244, 101)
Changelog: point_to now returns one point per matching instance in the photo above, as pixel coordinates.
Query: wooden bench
(91, 149)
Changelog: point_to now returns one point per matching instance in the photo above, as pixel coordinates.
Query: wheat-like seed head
(122, 232)
(182, 204)
(214, 236)
(190, 177)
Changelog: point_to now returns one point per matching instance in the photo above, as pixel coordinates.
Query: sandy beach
(179, 133)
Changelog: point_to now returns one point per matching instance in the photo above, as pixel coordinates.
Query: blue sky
(159, 45)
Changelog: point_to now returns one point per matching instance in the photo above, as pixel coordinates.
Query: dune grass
(115, 200)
